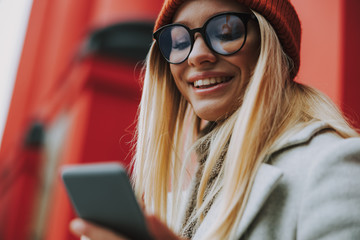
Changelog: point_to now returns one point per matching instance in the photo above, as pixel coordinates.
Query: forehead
(195, 12)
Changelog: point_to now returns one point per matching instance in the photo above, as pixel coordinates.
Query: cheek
(245, 62)
(254, 52)
(246, 59)
(177, 73)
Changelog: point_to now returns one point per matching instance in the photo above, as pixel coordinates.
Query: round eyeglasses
(224, 34)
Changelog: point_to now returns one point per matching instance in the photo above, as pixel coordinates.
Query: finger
(94, 232)
(142, 205)
(159, 230)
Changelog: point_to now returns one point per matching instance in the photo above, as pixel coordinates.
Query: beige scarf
(191, 224)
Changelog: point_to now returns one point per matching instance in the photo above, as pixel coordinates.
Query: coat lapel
(267, 178)
(265, 181)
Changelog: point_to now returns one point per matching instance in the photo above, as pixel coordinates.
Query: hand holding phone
(101, 193)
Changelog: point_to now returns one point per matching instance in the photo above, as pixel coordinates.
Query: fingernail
(78, 226)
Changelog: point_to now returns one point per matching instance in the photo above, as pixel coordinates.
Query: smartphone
(101, 193)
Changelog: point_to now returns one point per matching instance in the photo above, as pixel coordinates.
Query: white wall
(14, 15)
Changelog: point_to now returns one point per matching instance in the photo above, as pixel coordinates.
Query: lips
(209, 82)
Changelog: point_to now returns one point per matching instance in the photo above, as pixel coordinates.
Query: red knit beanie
(279, 13)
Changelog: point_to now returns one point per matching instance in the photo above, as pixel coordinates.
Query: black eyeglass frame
(245, 17)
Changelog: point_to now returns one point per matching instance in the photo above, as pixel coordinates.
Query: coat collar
(303, 136)
(267, 178)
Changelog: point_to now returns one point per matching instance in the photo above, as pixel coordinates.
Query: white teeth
(210, 81)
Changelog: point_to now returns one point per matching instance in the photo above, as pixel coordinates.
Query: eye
(180, 38)
(229, 33)
(226, 28)
(181, 45)
(225, 37)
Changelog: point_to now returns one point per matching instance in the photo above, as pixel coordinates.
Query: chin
(215, 115)
(211, 116)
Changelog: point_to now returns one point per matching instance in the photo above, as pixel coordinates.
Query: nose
(200, 53)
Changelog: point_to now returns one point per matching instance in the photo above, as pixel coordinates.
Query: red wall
(330, 50)
(97, 96)
(351, 62)
(321, 55)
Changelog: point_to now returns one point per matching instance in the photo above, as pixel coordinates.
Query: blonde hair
(273, 108)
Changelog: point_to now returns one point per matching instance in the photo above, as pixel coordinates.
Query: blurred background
(70, 89)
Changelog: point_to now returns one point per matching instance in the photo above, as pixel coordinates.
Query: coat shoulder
(331, 196)
(318, 192)
(320, 146)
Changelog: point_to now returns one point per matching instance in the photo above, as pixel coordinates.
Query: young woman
(229, 146)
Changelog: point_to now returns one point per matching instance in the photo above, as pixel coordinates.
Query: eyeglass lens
(224, 34)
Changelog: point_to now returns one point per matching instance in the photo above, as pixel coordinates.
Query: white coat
(308, 189)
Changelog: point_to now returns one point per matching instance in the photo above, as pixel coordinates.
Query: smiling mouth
(210, 82)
